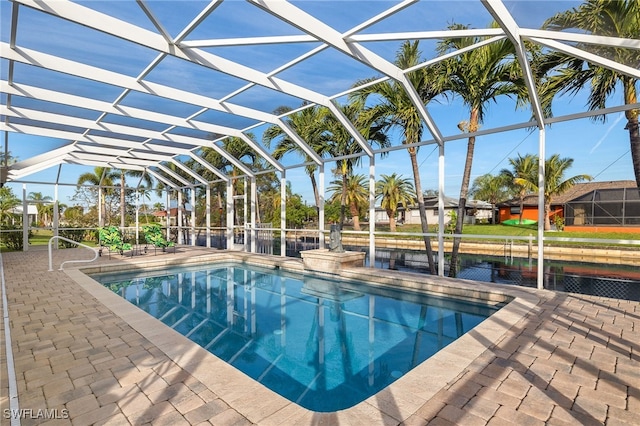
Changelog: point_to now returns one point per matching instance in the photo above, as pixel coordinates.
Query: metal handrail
(95, 252)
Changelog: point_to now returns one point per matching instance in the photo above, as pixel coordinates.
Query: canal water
(605, 280)
(615, 281)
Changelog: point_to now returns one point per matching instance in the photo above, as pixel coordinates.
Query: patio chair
(153, 236)
(110, 238)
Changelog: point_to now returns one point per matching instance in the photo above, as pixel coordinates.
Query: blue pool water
(319, 343)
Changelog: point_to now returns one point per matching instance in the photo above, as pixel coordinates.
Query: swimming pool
(323, 344)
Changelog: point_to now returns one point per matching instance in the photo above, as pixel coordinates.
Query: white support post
(441, 210)
(208, 214)
(137, 216)
(56, 212)
(25, 219)
(230, 215)
(321, 207)
(193, 216)
(180, 213)
(283, 213)
(253, 202)
(372, 211)
(245, 214)
(541, 215)
(168, 198)
(100, 201)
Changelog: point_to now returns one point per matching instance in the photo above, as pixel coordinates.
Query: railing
(95, 252)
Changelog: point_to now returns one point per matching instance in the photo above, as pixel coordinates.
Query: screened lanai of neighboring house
(161, 87)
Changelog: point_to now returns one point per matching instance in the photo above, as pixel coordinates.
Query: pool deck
(86, 356)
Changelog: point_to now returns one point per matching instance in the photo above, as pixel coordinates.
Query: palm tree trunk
(547, 219)
(355, 216)
(316, 195)
(631, 97)
(521, 208)
(421, 209)
(464, 191)
(103, 207)
(392, 220)
(634, 139)
(493, 213)
(343, 200)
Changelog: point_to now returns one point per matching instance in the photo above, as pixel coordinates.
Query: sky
(598, 149)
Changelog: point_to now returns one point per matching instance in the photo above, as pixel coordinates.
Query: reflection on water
(322, 344)
(615, 281)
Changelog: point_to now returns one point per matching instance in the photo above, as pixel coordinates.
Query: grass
(522, 231)
(41, 237)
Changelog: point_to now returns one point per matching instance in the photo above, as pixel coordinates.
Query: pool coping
(256, 402)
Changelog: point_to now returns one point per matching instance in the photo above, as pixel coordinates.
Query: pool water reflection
(322, 344)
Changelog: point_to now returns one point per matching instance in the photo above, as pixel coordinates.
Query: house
(32, 213)
(173, 214)
(475, 210)
(595, 206)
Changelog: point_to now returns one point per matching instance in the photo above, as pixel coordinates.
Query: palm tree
(394, 109)
(524, 172)
(554, 182)
(308, 124)
(491, 189)
(240, 150)
(40, 201)
(355, 194)
(393, 191)
(103, 178)
(478, 77)
(8, 201)
(619, 18)
(343, 144)
(6, 159)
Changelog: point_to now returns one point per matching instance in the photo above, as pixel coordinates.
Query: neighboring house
(173, 214)
(32, 213)
(596, 206)
(475, 210)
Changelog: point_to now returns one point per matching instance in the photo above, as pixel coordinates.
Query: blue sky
(601, 150)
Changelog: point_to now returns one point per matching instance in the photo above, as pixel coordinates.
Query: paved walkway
(570, 360)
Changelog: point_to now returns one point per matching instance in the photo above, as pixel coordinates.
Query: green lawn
(522, 231)
(41, 237)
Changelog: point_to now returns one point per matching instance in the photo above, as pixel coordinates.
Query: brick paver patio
(570, 360)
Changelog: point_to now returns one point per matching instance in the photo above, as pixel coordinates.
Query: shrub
(13, 239)
(76, 235)
(559, 222)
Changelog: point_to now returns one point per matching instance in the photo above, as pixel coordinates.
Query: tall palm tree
(41, 201)
(102, 177)
(393, 191)
(343, 144)
(478, 77)
(356, 194)
(614, 18)
(308, 124)
(490, 188)
(555, 182)
(395, 109)
(522, 177)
